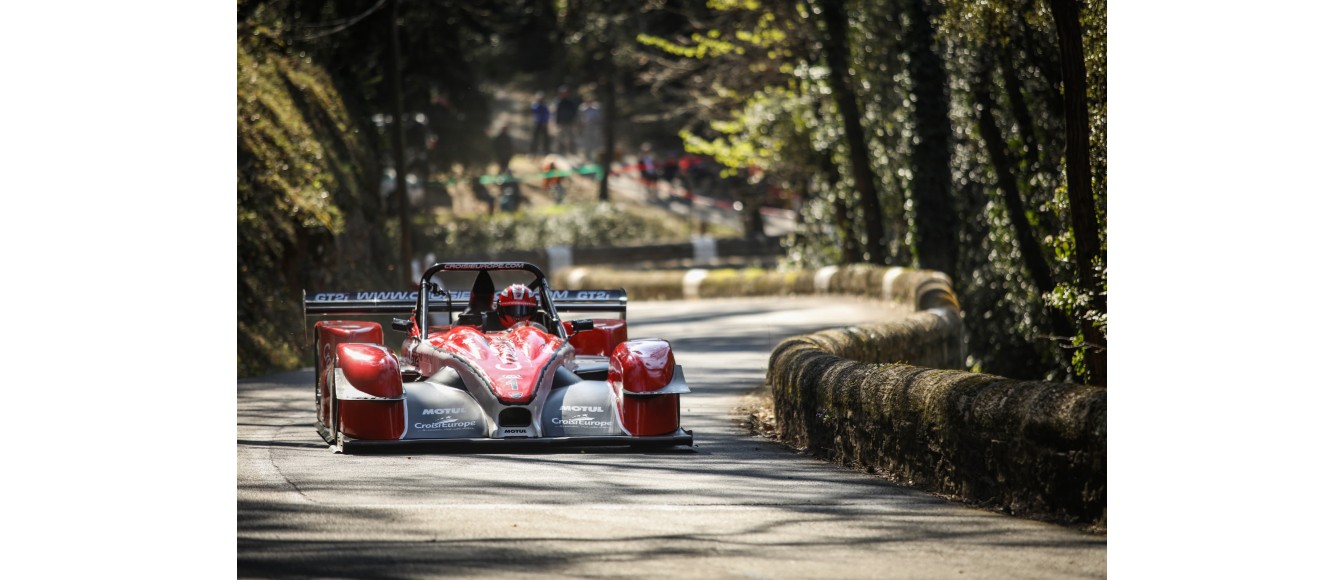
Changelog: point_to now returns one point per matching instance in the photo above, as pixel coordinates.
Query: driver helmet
(515, 304)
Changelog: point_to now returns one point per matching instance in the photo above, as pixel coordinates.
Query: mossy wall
(1031, 448)
(308, 214)
(880, 395)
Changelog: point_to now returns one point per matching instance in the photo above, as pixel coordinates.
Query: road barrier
(894, 396)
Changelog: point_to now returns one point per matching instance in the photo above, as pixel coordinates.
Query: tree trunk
(1035, 155)
(399, 156)
(1043, 59)
(836, 50)
(1032, 255)
(1026, 126)
(1082, 208)
(607, 158)
(844, 224)
(931, 154)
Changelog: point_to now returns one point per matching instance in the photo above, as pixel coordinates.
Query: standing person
(669, 170)
(590, 121)
(482, 194)
(566, 122)
(541, 126)
(510, 194)
(554, 169)
(503, 144)
(648, 168)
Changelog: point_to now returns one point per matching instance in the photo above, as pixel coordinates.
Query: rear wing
(348, 303)
(590, 301)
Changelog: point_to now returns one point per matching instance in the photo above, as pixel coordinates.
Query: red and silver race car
(464, 378)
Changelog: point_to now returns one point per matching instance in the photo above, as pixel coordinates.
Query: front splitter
(680, 437)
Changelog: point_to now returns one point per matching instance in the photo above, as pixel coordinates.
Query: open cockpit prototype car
(464, 378)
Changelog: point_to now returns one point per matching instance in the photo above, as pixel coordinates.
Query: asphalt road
(733, 506)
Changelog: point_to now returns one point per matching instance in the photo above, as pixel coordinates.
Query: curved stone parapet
(894, 396)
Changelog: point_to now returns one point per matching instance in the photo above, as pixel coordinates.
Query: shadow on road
(523, 553)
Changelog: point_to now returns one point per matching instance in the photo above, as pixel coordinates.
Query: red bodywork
(356, 348)
(643, 366)
(513, 360)
(330, 333)
(601, 340)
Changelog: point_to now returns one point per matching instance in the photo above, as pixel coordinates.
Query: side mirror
(581, 325)
(402, 325)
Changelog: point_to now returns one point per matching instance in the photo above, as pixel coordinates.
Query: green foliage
(577, 225)
(743, 81)
(761, 134)
(1007, 317)
(1093, 17)
(784, 121)
(301, 167)
(283, 151)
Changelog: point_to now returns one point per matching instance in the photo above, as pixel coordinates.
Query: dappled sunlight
(734, 499)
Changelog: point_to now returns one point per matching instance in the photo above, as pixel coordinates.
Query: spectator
(566, 122)
(648, 168)
(503, 144)
(689, 168)
(554, 169)
(541, 122)
(590, 121)
(510, 194)
(482, 194)
(669, 170)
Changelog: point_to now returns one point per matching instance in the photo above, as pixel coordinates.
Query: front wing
(681, 437)
(448, 410)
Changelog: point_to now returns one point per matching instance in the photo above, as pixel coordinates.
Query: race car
(476, 369)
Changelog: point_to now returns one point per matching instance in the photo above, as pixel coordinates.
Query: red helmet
(515, 304)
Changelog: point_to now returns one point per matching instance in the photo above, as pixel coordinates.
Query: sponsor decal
(580, 421)
(584, 295)
(387, 295)
(400, 296)
(583, 409)
(444, 411)
(484, 265)
(514, 431)
(512, 380)
(508, 359)
(446, 424)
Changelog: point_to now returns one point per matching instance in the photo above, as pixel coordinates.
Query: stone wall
(893, 396)
(1031, 448)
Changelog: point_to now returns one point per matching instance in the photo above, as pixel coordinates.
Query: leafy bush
(577, 225)
(302, 214)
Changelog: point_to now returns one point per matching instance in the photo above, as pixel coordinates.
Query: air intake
(515, 417)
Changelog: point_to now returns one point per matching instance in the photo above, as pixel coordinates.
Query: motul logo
(443, 411)
(582, 409)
